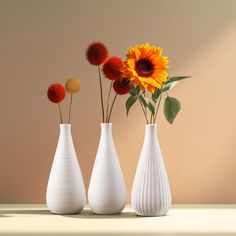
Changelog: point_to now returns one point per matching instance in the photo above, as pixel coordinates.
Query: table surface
(180, 220)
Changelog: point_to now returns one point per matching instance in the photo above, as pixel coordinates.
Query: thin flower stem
(108, 99)
(144, 112)
(71, 97)
(60, 112)
(145, 97)
(101, 94)
(158, 105)
(109, 117)
(151, 119)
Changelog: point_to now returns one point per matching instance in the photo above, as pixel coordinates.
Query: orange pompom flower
(72, 85)
(111, 68)
(97, 53)
(122, 86)
(56, 93)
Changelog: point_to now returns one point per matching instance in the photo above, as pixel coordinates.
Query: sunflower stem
(59, 107)
(144, 94)
(151, 118)
(112, 105)
(108, 100)
(71, 97)
(144, 112)
(158, 105)
(101, 93)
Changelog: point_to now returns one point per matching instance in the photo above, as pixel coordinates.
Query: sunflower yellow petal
(158, 74)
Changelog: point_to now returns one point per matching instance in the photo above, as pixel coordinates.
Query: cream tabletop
(181, 220)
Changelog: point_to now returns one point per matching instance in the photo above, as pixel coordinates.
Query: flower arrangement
(146, 68)
(97, 55)
(57, 92)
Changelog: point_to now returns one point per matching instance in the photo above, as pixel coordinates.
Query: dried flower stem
(109, 117)
(101, 93)
(59, 107)
(71, 96)
(108, 99)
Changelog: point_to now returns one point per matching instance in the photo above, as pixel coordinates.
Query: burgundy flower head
(97, 53)
(122, 86)
(111, 68)
(56, 93)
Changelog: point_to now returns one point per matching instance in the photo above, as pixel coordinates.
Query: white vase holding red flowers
(65, 190)
(146, 67)
(107, 192)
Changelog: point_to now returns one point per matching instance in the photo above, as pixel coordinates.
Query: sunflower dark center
(144, 67)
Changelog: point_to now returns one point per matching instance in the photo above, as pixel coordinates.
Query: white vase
(106, 193)
(151, 194)
(65, 190)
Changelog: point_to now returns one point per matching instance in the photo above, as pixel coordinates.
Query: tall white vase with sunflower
(147, 69)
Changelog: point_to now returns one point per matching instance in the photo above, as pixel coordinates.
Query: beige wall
(44, 41)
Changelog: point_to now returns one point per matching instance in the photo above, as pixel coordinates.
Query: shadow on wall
(44, 41)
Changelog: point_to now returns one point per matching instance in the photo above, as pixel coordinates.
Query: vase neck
(65, 129)
(151, 130)
(106, 129)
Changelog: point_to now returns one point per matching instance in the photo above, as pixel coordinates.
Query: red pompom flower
(122, 86)
(111, 68)
(56, 93)
(97, 53)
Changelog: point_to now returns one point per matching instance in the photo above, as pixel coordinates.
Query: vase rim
(65, 124)
(151, 125)
(106, 124)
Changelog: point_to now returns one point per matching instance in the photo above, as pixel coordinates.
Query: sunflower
(146, 67)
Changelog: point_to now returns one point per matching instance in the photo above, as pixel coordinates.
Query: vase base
(65, 212)
(150, 215)
(107, 211)
(116, 213)
(58, 213)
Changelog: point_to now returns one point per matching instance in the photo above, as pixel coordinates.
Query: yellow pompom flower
(72, 85)
(146, 67)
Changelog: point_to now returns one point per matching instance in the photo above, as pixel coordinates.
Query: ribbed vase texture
(65, 190)
(151, 194)
(107, 193)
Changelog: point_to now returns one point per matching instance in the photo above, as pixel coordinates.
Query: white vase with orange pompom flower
(65, 190)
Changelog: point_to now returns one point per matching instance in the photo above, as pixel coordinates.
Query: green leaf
(134, 90)
(156, 94)
(151, 108)
(176, 78)
(130, 102)
(171, 108)
(169, 86)
(138, 89)
(143, 100)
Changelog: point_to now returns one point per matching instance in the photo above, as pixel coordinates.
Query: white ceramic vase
(151, 194)
(106, 193)
(65, 190)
